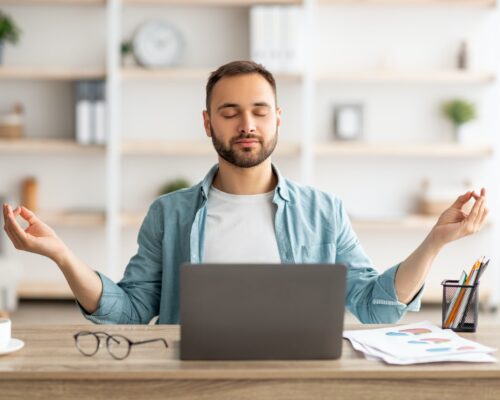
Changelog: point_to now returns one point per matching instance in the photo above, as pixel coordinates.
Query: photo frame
(348, 121)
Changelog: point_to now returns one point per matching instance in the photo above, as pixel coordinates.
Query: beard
(246, 157)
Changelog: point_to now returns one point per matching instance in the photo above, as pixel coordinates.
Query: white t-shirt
(240, 228)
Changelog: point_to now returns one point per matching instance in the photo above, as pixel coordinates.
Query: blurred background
(393, 105)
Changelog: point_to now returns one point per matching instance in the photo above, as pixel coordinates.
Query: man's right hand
(41, 239)
(38, 237)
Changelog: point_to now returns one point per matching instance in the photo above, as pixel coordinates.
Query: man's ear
(278, 117)
(206, 123)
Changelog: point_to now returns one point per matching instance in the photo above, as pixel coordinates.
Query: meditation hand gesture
(454, 223)
(38, 237)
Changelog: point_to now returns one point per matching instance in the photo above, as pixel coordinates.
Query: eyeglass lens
(119, 347)
(87, 343)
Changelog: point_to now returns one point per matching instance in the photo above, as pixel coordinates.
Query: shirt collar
(281, 188)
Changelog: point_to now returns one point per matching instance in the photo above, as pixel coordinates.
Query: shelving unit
(305, 151)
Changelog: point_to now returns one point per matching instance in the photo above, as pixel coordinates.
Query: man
(243, 211)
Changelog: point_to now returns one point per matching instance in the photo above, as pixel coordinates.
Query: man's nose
(247, 124)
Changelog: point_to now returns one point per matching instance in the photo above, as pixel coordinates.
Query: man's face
(244, 120)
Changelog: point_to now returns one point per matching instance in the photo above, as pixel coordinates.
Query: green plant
(126, 48)
(174, 185)
(459, 111)
(9, 31)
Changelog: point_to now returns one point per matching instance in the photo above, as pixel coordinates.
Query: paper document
(421, 342)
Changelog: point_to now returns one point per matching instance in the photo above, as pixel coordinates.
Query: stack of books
(276, 38)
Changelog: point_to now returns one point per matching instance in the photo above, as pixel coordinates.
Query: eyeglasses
(118, 346)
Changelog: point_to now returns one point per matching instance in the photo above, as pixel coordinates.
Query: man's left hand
(454, 223)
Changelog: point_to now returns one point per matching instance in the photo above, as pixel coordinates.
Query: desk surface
(50, 356)
(50, 351)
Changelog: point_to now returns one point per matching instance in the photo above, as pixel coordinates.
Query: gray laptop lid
(252, 312)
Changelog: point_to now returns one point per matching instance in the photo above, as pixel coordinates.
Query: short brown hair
(235, 68)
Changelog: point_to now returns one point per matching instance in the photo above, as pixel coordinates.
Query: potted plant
(459, 112)
(127, 52)
(9, 31)
(174, 185)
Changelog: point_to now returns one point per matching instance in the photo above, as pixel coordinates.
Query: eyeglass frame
(108, 338)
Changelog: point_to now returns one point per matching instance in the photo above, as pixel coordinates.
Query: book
(90, 114)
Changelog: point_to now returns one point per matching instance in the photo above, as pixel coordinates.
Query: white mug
(5, 328)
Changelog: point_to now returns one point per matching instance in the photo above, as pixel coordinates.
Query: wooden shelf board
(73, 219)
(47, 146)
(408, 222)
(232, 3)
(44, 290)
(441, 150)
(139, 73)
(404, 223)
(473, 3)
(132, 219)
(390, 76)
(190, 148)
(53, 2)
(52, 74)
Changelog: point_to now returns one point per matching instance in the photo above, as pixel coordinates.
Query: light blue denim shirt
(311, 227)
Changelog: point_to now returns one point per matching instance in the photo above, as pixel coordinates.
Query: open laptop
(261, 311)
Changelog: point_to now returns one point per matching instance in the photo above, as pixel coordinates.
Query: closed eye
(261, 111)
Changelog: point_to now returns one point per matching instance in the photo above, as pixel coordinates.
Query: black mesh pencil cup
(466, 314)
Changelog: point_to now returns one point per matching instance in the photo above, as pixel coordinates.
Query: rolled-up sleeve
(370, 295)
(136, 298)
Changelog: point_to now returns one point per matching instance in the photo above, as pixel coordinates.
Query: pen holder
(468, 306)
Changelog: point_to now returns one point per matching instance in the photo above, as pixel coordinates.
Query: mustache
(246, 136)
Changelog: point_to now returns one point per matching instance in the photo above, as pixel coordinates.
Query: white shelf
(472, 3)
(405, 223)
(132, 219)
(232, 3)
(375, 76)
(73, 219)
(51, 74)
(138, 73)
(439, 150)
(395, 76)
(53, 2)
(47, 146)
(44, 290)
(190, 148)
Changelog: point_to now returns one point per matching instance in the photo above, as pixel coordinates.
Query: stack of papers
(417, 343)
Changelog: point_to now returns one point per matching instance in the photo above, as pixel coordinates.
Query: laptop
(261, 311)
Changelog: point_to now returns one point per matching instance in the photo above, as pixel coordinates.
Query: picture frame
(348, 121)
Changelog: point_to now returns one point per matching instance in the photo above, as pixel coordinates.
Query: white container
(5, 329)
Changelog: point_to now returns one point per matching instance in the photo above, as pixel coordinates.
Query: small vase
(457, 133)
